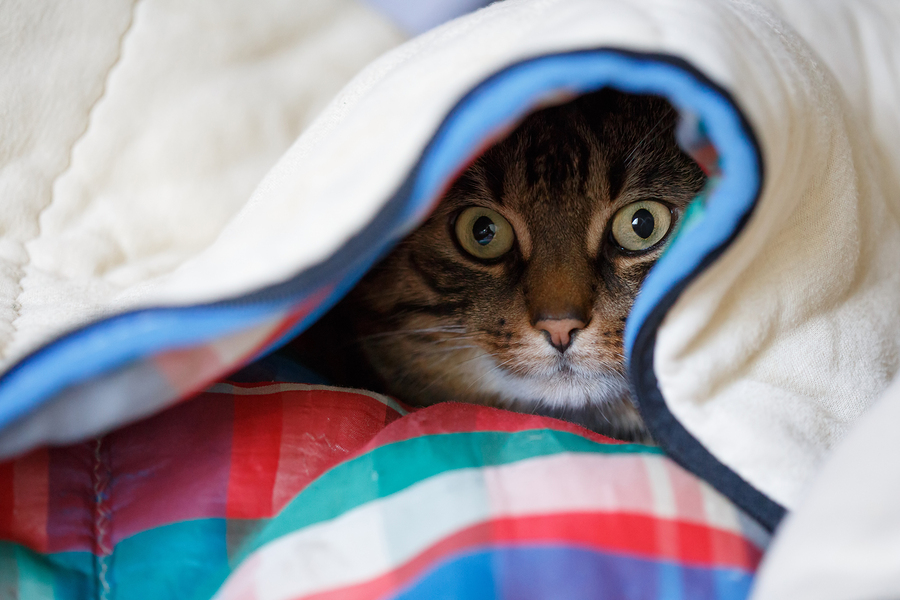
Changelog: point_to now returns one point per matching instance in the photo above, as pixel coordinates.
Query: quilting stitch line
(101, 475)
(20, 275)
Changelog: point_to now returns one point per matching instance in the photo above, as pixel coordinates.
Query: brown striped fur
(434, 324)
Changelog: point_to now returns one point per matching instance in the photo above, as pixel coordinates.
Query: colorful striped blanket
(172, 212)
(289, 491)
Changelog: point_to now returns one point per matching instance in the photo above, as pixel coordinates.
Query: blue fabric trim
(539, 572)
(479, 116)
(103, 346)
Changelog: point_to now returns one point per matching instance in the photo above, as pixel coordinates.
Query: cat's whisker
(644, 139)
(446, 327)
(446, 344)
(538, 405)
(447, 374)
(422, 331)
(390, 337)
(444, 350)
(493, 369)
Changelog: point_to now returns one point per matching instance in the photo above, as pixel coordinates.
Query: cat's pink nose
(561, 331)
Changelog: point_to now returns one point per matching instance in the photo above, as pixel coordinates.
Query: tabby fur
(433, 324)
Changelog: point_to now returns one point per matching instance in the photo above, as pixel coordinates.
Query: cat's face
(515, 291)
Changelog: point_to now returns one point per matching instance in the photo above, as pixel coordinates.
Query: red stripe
(634, 536)
(255, 450)
(457, 417)
(32, 489)
(283, 440)
(24, 495)
(7, 500)
(321, 429)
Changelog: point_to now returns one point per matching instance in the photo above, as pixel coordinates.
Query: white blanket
(762, 336)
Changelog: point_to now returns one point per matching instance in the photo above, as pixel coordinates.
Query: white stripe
(371, 539)
(377, 537)
(664, 505)
(718, 514)
(274, 388)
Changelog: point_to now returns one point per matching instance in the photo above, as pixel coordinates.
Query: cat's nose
(560, 331)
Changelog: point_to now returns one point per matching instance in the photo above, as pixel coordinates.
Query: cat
(515, 291)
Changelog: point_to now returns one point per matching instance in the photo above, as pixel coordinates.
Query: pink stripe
(241, 584)
(567, 482)
(688, 497)
(188, 370)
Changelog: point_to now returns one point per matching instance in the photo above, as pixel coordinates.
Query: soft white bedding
(147, 160)
(133, 132)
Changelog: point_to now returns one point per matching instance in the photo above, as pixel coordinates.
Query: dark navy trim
(482, 114)
(717, 231)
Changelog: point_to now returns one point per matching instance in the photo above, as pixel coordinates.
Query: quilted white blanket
(136, 231)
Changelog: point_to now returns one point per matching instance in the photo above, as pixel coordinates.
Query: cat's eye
(641, 225)
(484, 233)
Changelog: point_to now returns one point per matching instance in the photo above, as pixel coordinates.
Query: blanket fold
(766, 330)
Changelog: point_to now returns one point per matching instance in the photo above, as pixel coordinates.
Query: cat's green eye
(641, 225)
(484, 233)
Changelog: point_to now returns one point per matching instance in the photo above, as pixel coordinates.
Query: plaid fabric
(297, 491)
(157, 376)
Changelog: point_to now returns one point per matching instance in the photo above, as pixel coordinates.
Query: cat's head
(515, 291)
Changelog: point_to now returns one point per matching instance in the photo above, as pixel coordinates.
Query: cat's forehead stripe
(615, 177)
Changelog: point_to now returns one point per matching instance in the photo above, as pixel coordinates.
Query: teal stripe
(25, 573)
(172, 562)
(182, 560)
(74, 575)
(394, 467)
(9, 571)
(36, 575)
(190, 559)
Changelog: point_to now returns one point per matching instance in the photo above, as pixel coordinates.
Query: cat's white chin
(566, 386)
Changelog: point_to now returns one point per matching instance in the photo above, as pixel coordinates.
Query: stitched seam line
(102, 519)
(20, 275)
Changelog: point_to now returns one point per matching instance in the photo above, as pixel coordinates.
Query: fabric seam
(101, 480)
(17, 303)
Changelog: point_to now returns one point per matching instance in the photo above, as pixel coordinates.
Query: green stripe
(189, 560)
(394, 467)
(36, 575)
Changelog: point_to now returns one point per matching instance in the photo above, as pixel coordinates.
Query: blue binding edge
(482, 113)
